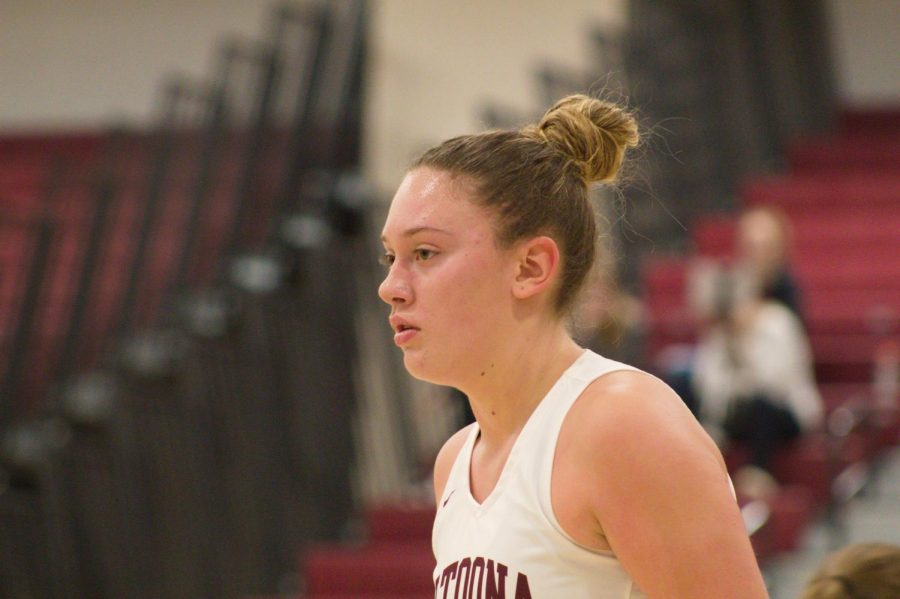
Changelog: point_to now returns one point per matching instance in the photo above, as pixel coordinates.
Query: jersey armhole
(545, 480)
(466, 433)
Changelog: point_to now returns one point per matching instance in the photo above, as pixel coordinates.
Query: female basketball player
(582, 477)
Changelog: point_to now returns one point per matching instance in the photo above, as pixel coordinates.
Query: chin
(421, 368)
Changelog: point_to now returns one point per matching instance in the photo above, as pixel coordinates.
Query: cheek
(476, 295)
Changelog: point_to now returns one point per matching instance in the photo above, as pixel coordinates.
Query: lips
(404, 330)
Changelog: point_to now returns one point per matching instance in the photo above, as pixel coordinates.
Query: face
(760, 243)
(448, 284)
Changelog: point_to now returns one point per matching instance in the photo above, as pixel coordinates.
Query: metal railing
(206, 365)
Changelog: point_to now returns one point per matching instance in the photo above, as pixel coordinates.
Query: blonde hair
(861, 571)
(535, 180)
(592, 134)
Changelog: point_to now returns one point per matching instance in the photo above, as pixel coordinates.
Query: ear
(537, 263)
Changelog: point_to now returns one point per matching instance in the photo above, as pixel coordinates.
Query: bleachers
(172, 362)
(394, 561)
(853, 153)
(842, 196)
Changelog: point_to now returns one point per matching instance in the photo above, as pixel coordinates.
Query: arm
(661, 493)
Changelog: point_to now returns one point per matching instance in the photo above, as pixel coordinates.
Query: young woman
(582, 477)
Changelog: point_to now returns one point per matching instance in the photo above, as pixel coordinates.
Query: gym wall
(433, 64)
(77, 65)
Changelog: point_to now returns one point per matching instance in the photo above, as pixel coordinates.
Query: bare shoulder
(632, 410)
(635, 388)
(657, 485)
(445, 458)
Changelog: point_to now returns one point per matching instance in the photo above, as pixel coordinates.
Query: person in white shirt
(581, 477)
(753, 370)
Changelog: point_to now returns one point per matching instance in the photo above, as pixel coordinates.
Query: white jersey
(511, 546)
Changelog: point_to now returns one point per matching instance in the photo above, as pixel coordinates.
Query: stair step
(389, 568)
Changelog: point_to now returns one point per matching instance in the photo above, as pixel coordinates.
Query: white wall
(434, 62)
(866, 44)
(79, 63)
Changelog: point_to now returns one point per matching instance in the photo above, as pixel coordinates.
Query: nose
(395, 289)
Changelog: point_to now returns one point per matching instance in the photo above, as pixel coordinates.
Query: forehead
(435, 199)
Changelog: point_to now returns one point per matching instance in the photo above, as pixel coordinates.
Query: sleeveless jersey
(511, 546)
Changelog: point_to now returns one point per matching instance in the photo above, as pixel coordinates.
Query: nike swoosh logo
(448, 498)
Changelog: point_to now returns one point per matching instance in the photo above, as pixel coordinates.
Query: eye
(386, 259)
(423, 254)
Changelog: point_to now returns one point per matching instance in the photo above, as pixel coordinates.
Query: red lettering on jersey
(496, 587)
(522, 590)
(466, 578)
(462, 582)
(477, 567)
(449, 574)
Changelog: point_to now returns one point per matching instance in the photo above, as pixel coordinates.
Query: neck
(505, 393)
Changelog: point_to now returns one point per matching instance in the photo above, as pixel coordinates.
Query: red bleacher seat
(845, 155)
(396, 560)
(824, 190)
(812, 230)
(809, 462)
(713, 236)
(792, 512)
(402, 522)
(870, 122)
(847, 267)
(387, 568)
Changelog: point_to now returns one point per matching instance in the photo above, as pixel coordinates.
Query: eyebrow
(416, 230)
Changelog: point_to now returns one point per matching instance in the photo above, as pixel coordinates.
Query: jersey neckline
(511, 459)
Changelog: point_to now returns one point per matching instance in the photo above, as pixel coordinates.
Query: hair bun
(593, 133)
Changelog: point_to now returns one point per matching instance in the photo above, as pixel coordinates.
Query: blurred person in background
(761, 256)
(859, 571)
(762, 252)
(582, 477)
(752, 372)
